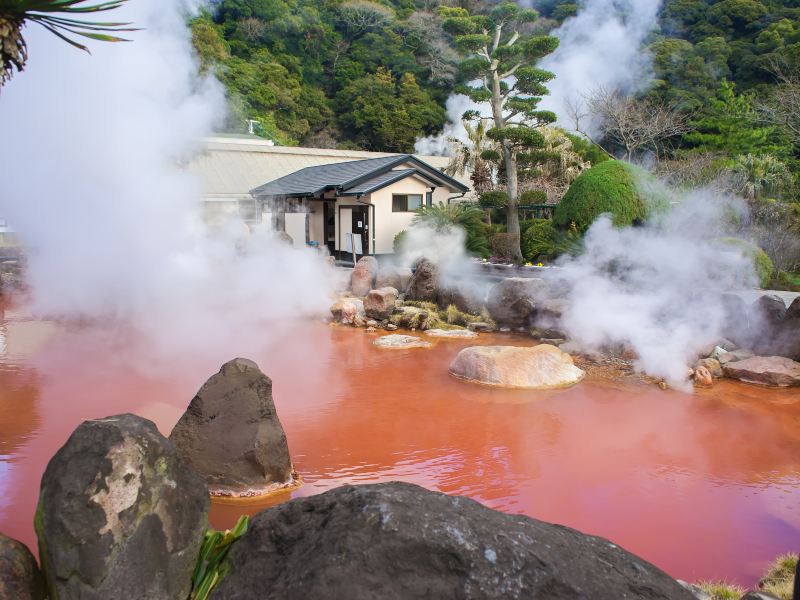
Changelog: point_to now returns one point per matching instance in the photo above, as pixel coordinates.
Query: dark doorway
(361, 226)
(329, 226)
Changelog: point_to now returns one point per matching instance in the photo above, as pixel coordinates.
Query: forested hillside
(376, 75)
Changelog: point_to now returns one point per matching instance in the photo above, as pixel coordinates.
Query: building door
(361, 226)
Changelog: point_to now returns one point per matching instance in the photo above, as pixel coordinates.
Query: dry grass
(721, 590)
(779, 578)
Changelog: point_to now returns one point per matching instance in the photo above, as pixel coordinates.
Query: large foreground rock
(231, 435)
(379, 304)
(765, 370)
(362, 279)
(513, 301)
(538, 367)
(119, 515)
(20, 578)
(424, 284)
(399, 541)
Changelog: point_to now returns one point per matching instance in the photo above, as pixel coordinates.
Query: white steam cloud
(601, 47)
(93, 184)
(658, 288)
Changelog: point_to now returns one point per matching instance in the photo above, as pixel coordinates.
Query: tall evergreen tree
(500, 63)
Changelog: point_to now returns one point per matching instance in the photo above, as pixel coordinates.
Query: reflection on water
(705, 486)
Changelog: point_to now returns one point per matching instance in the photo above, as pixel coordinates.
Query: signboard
(351, 239)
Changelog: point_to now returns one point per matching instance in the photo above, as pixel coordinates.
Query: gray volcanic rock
(397, 341)
(392, 276)
(400, 541)
(120, 515)
(20, 578)
(424, 284)
(231, 435)
(771, 308)
(512, 301)
(775, 371)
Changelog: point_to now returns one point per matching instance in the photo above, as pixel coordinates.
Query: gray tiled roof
(353, 177)
(312, 180)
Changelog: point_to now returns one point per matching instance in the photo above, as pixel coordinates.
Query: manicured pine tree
(500, 64)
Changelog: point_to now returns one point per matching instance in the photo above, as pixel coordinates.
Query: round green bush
(625, 191)
(493, 198)
(761, 260)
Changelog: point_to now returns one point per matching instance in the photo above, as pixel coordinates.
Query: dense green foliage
(612, 187)
(542, 241)
(359, 73)
(441, 217)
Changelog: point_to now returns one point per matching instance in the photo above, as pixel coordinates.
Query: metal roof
(354, 177)
(228, 168)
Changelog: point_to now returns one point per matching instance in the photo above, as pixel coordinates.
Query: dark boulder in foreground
(120, 515)
(20, 578)
(400, 541)
(231, 435)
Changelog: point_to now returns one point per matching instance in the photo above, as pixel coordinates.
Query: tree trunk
(510, 163)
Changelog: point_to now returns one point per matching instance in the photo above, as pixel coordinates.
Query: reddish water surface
(704, 486)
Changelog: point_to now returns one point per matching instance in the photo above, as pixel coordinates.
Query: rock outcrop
(379, 304)
(396, 341)
(231, 435)
(453, 334)
(20, 578)
(776, 371)
(424, 284)
(512, 301)
(397, 540)
(393, 276)
(362, 279)
(538, 367)
(120, 515)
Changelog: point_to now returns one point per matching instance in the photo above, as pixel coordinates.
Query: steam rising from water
(657, 288)
(91, 154)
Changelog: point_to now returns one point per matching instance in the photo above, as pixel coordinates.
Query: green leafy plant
(211, 567)
(469, 217)
(47, 13)
(761, 262)
(397, 242)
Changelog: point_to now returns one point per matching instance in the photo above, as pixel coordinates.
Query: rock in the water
(401, 342)
(120, 515)
(478, 327)
(775, 371)
(20, 578)
(392, 276)
(400, 541)
(512, 301)
(457, 334)
(538, 367)
(424, 284)
(348, 310)
(362, 279)
(702, 377)
(379, 304)
(231, 435)
(712, 365)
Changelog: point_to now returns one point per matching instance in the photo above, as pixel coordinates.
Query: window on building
(406, 202)
(248, 211)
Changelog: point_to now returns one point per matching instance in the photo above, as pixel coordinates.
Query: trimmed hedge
(621, 189)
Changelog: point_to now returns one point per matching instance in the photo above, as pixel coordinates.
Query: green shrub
(621, 189)
(761, 262)
(398, 240)
(493, 198)
(788, 282)
(468, 216)
(532, 197)
(540, 240)
(504, 244)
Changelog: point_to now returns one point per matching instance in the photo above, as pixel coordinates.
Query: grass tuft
(211, 567)
(779, 578)
(721, 590)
